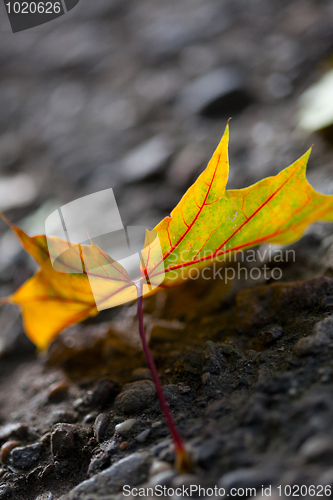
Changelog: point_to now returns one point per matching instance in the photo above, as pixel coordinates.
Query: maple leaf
(51, 300)
(209, 223)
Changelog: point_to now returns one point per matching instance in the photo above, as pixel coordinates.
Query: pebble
(270, 335)
(185, 480)
(246, 478)
(5, 492)
(163, 478)
(141, 438)
(90, 418)
(63, 416)
(124, 445)
(206, 452)
(159, 466)
(220, 93)
(317, 449)
(57, 392)
(6, 448)
(101, 426)
(141, 374)
(17, 191)
(131, 470)
(125, 426)
(62, 440)
(103, 393)
(135, 397)
(313, 344)
(147, 159)
(19, 431)
(25, 457)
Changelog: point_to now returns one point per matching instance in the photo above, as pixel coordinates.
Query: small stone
(324, 329)
(227, 349)
(5, 492)
(19, 431)
(131, 470)
(147, 159)
(185, 480)
(90, 418)
(317, 449)
(157, 424)
(62, 440)
(25, 457)
(63, 416)
(136, 397)
(245, 478)
(163, 478)
(207, 452)
(220, 93)
(6, 448)
(184, 389)
(103, 393)
(159, 466)
(141, 438)
(270, 335)
(125, 426)
(101, 426)
(321, 337)
(57, 392)
(141, 374)
(17, 191)
(124, 445)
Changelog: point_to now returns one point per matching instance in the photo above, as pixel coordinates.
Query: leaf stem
(183, 461)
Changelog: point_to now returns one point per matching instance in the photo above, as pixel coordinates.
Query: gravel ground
(135, 96)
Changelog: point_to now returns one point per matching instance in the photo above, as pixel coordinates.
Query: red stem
(182, 457)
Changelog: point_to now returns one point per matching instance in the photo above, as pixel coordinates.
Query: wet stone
(321, 337)
(317, 449)
(141, 438)
(135, 397)
(5, 492)
(246, 478)
(270, 335)
(6, 448)
(163, 478)
(220, 93)
(19, 431)
(147, 159)
(62, 440)
(57, 392)
(125, 426)
(207, 452)
(63, 416)
(130, 470)
(103, 393)
(25, 457)
(101, 426)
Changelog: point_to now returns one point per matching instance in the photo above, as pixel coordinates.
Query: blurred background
(135, 96)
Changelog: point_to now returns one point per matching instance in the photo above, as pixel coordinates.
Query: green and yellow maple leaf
(209, 223)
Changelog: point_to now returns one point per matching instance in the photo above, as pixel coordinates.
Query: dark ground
(247, 369)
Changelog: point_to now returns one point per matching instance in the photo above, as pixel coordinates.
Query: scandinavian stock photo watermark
(230, 265)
